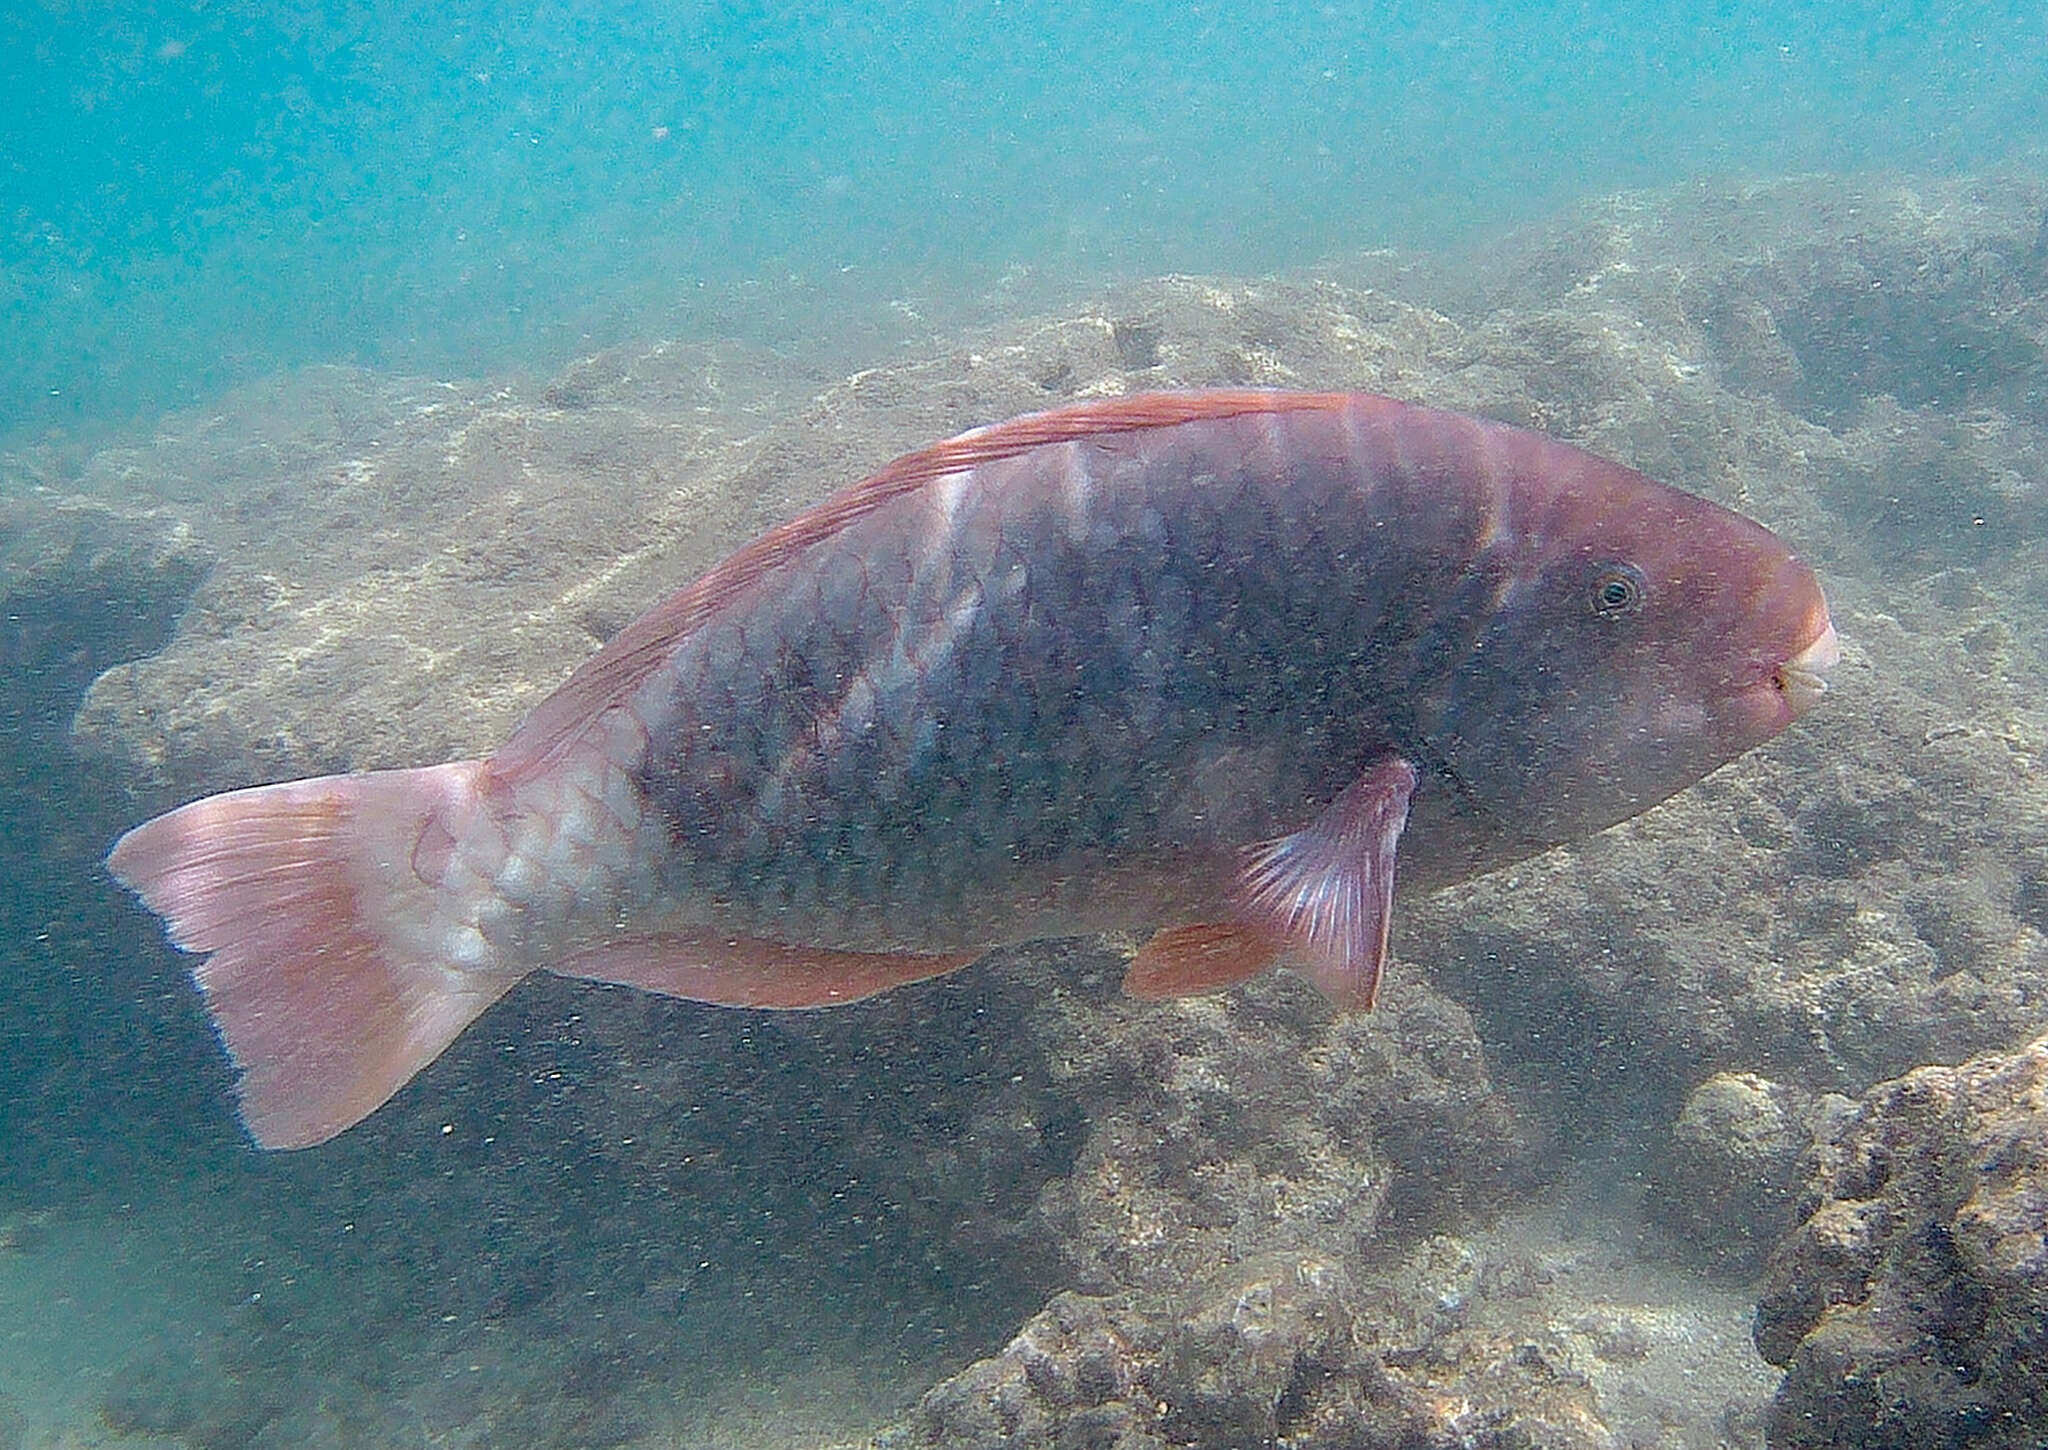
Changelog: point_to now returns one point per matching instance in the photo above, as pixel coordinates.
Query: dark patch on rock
(1927, 346)
(1137, 342)
(84, 586)
(1940, 489)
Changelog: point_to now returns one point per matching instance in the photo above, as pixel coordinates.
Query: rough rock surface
(1725, 1180)
(1521, 1335)
(1910, 1308)
(1260, 1124)
(405, 565)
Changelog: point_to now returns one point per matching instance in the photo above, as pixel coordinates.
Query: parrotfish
(1212, 666)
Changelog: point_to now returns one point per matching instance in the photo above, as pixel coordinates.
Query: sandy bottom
(1668, 1351)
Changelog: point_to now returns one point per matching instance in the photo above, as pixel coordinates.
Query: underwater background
(198, 194)
(363, 366)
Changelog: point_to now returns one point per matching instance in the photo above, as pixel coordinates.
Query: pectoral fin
(1327, 891)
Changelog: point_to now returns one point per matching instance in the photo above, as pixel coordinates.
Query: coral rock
(1908, 1308)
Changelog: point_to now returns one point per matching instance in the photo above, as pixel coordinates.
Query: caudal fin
(328, 927)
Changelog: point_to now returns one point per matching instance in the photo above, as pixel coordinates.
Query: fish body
(1213, 664)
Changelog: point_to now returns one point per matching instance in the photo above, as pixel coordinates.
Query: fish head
(1639, 638)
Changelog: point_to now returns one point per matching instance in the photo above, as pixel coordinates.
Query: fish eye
(1617, 590)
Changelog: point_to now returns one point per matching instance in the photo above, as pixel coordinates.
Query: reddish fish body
(1208, 662)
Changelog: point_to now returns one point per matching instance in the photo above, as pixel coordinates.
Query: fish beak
(1802, 679)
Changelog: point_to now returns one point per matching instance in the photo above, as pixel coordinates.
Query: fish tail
(341, 959)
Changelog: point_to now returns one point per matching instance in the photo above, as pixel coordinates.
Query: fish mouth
(1801, 680)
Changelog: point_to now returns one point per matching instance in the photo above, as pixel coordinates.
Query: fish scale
(1062, 556)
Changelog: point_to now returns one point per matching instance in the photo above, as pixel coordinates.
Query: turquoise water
(197, 194)
(201, 201)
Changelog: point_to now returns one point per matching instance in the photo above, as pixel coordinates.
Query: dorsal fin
(637, 651)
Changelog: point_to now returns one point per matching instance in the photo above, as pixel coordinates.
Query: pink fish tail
(342, 959)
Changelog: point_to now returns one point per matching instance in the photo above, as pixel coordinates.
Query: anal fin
(1327, 891)
(1186, 961)
(729, 971)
